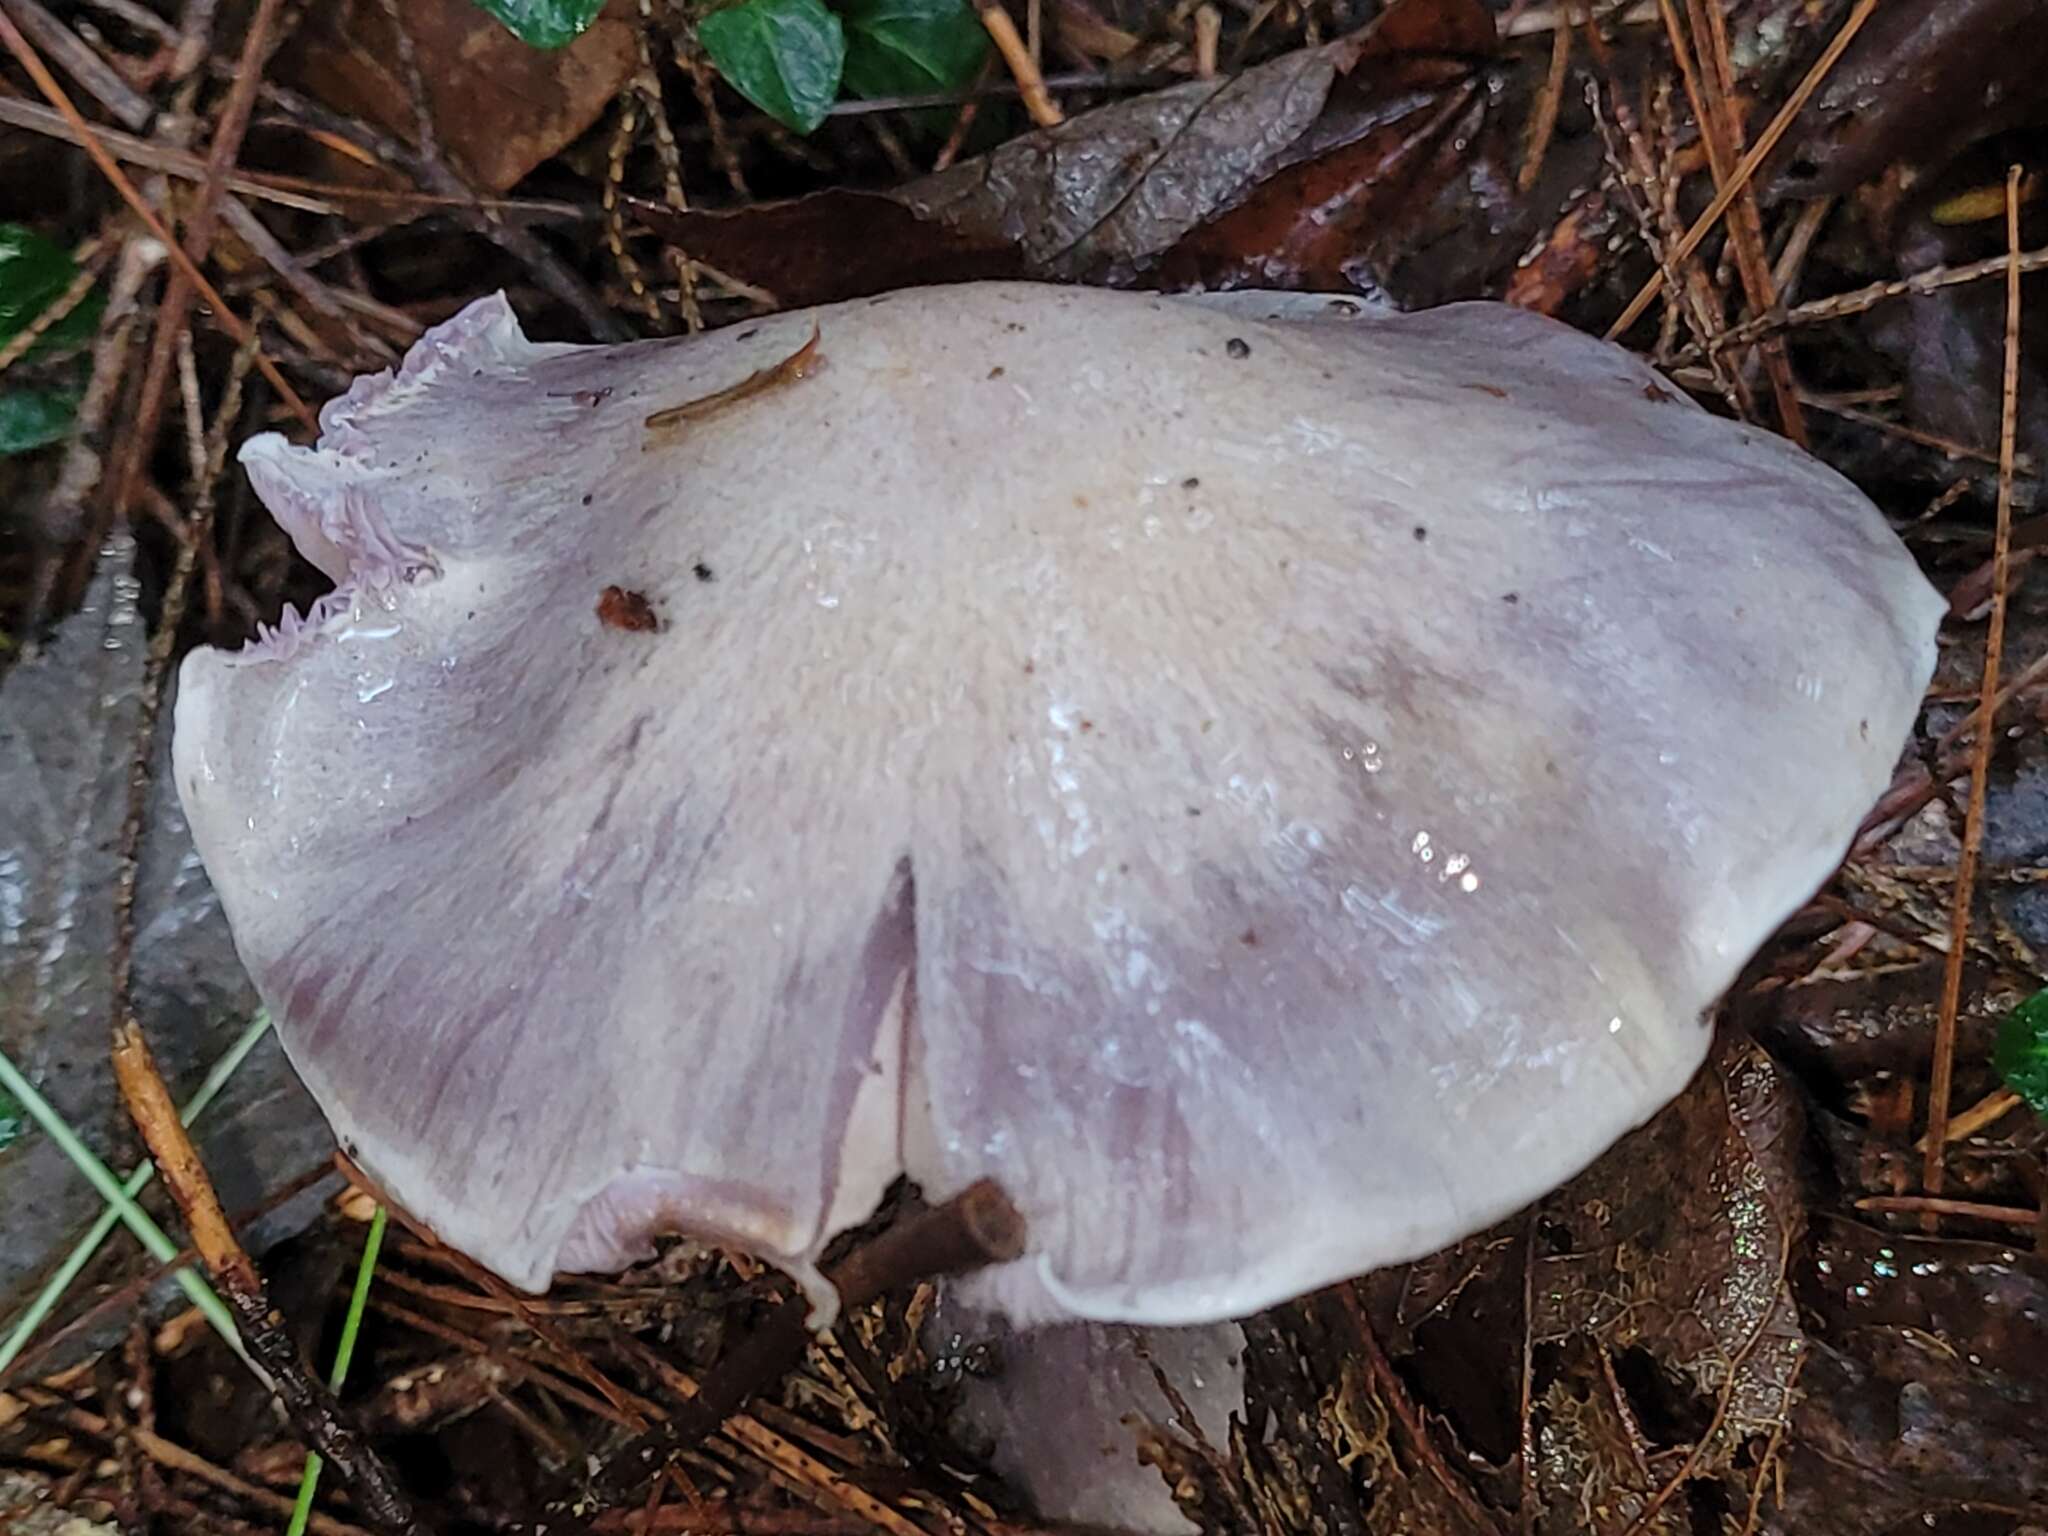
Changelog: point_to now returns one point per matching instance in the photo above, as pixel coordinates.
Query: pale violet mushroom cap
(1275, 787)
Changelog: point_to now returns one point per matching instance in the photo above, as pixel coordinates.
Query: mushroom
(1063, 1413)
(1274, 786)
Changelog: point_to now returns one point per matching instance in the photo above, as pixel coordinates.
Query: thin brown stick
(777, 1450)
(547, 269)
(94, 75)
(1721, 130)
(976, 1227)
(1947, 446)
(128, 853)
(647, 82)
(1989, 1110)
(692, 64)
(800, 364)
(1759, 152)
(182, 163)
(1208, 32)
(176, 1458)
(1045, 112)
(1857, 300)
(175, 312)
(1936, 1205)
(120, 1299)
(308, 1403)
(1543, 119)
(962, 122)
(1527, 1421)
(234, 324)
(1934, 1168)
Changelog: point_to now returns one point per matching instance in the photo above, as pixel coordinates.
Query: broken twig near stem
(977, 1227)
(311, 1408)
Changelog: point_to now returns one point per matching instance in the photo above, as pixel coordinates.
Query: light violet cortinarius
(1274, 786)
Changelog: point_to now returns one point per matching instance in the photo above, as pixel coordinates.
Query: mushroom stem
(977, 1227)
(310, 1406)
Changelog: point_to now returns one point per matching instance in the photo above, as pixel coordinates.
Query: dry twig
(975, 1228)
(1935, 1166)
(88, 139)
(1023, 67)
(310, 1406)
(1759, 152)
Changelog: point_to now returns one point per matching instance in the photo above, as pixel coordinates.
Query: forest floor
(1811, 1297)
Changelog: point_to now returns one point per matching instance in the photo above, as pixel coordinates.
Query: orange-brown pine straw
(1758, 153)
(1045, 112)
(88, 140)
(1721, 129)
(1935, 1167)
(307, 1402)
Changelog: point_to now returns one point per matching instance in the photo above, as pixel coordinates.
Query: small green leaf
(785, 56)
(910, 47)
(2021, 1054)
(13, 1123)
(545, 23)
(35, 418)
(34, 272)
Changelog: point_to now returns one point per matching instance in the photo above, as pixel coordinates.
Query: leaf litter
(1750, 1316)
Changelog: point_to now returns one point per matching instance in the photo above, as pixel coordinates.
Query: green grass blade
(102, 1179)
(309, 1484)
(53, 1292)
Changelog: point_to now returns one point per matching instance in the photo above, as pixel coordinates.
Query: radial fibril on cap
(1275, 793)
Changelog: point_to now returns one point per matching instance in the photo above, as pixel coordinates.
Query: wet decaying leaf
(1342, 168)
(499, 106)
(1092, 199)
(1671, 1254)
(1923, 1404)
(1950, 345)
(66, 721)
(1647, 1302)
(1918, 85)
(1929, 106)
(1697, 1360)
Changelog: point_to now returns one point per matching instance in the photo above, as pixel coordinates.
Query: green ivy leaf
(785, 56)
(545, 23)
(910, 47)
(2021, 1054)
(13, 1123)
(35, 418)
(34, 272)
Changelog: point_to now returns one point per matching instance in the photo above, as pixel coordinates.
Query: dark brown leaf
(1919, 83)
(833, 245)
(499, 106)
(1676, 1247)
(1347, 166)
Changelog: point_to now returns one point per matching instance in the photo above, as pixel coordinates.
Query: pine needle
(309, 1483)
(59, 1283)
(139, 1221)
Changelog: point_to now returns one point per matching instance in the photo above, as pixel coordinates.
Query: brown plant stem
(309, 1405)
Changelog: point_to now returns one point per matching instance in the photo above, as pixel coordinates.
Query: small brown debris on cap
(623, 608)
